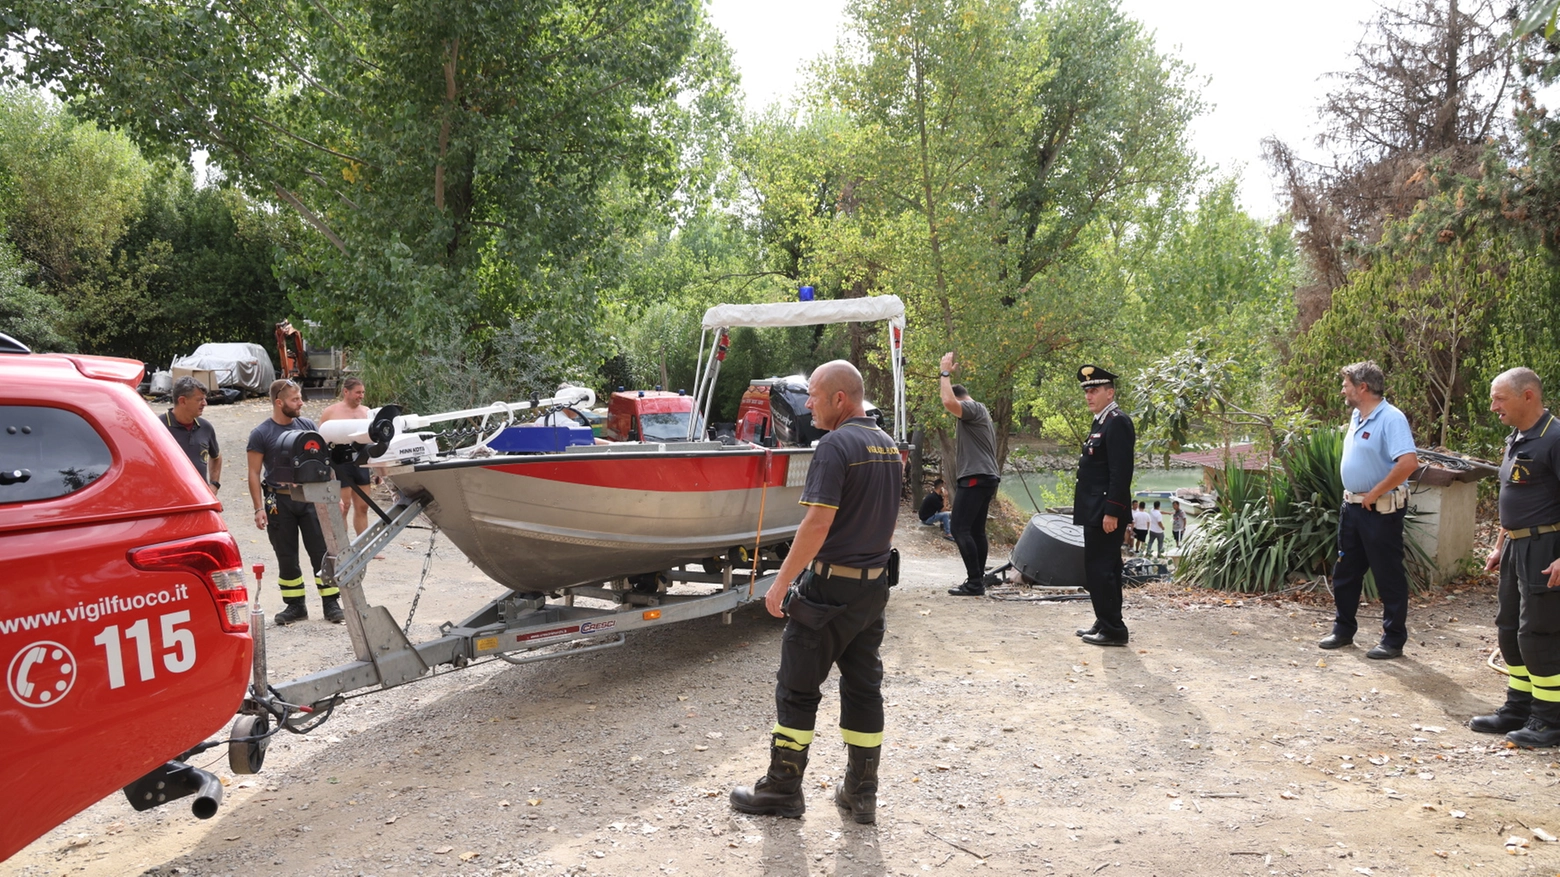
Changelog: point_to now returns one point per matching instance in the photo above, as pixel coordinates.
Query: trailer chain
(433, 533)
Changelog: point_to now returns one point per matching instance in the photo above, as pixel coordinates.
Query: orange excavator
(316, 371)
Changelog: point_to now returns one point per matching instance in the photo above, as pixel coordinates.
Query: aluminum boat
(550, 521)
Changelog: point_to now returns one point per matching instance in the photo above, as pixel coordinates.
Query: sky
(1264, 65)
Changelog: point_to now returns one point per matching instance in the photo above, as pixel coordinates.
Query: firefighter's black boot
(333, 612)
(1512, 715)
(858, 792)
(779, 792)
(292, 612)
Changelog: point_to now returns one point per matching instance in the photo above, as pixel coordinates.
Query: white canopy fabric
(807, 313)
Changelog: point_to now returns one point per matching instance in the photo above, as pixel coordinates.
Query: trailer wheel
(245, 754)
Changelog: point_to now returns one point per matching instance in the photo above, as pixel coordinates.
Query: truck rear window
(47, 453)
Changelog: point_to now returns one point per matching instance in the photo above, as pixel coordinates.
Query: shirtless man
(351, 407)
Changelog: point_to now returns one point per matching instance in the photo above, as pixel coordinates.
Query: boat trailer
(515, 622)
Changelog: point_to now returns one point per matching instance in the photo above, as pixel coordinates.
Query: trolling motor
(391, 437)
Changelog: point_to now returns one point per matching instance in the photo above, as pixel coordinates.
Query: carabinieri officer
(1102, 503)
(841, 554)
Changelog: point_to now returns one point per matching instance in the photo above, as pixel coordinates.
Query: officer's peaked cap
(1094, 376)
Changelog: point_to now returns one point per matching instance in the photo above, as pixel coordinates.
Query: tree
(27, 314)
(1432, 84)
(197, 265)
(1180, 394)
(1424, 318)
(1213, 271)
(450, 155)
(985, 147)
(70, 189)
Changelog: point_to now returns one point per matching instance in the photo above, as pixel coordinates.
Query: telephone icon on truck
(41, 674)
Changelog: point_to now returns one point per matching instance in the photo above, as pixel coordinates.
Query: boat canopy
(807, 313)
(872, 309)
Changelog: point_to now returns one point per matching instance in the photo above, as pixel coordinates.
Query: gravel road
(1222, 741)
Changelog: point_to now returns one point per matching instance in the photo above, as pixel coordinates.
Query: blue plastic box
(540, 439)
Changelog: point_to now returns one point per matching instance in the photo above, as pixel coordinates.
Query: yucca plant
(1280, 521)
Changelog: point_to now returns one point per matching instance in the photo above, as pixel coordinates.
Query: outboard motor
(176, 780)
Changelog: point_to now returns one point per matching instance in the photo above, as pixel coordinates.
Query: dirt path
(1222, 742)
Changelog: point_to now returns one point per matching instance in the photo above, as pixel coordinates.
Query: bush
(1279, 523)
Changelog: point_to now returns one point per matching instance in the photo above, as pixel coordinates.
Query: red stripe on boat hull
(673, 474)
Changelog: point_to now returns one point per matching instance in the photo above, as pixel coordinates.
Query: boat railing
(644, 448)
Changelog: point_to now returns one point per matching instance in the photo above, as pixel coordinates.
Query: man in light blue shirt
(1378, 458)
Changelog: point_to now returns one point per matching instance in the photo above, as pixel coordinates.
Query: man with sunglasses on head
(283, 518)
(1378, 459)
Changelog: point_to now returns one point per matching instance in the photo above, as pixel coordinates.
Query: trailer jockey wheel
(245, 756)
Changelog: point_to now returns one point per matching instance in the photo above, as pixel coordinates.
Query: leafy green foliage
(1216, 271)
(70, 189)
(1280, 523)
(975, 158)
(196, 266)
(26, 314)
(451, 156)
(1425, 317)
(112, 254)
(1180, 396)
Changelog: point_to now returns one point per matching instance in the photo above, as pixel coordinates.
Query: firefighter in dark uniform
(1102, 503)
(1528, 555)
(283, 518)
(840, 561)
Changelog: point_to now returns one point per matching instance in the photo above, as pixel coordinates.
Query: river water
(1055, 488)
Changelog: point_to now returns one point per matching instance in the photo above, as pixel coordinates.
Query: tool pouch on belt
(891, 569)
(806, 612)
(1393, 500)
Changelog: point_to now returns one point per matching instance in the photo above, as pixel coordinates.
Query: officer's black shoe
(1087, 631)
(1382, 652)
(333, 612)
(1104, 639)
(779, 792)
(858, 792)
(969, 589)
(1336, 641)
(1536, 734)
(292, 612)
(1499, 722)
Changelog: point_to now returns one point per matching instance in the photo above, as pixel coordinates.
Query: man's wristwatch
(945, 374)
(216, 484)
